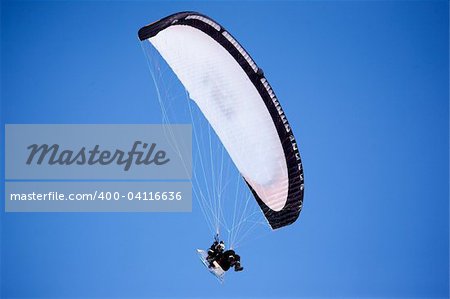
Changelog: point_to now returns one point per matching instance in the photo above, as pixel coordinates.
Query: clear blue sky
(364, 85)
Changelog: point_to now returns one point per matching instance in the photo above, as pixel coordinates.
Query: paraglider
(241, 107)
(225, 259)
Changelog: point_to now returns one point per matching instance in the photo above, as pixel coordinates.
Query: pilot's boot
(238, 267)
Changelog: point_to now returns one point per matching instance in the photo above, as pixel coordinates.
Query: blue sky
(363, 84)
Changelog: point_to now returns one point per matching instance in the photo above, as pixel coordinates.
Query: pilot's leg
(237, 265)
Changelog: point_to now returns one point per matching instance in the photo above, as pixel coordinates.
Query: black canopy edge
(154, 28)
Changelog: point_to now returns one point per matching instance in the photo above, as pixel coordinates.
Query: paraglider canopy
(240, 105)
